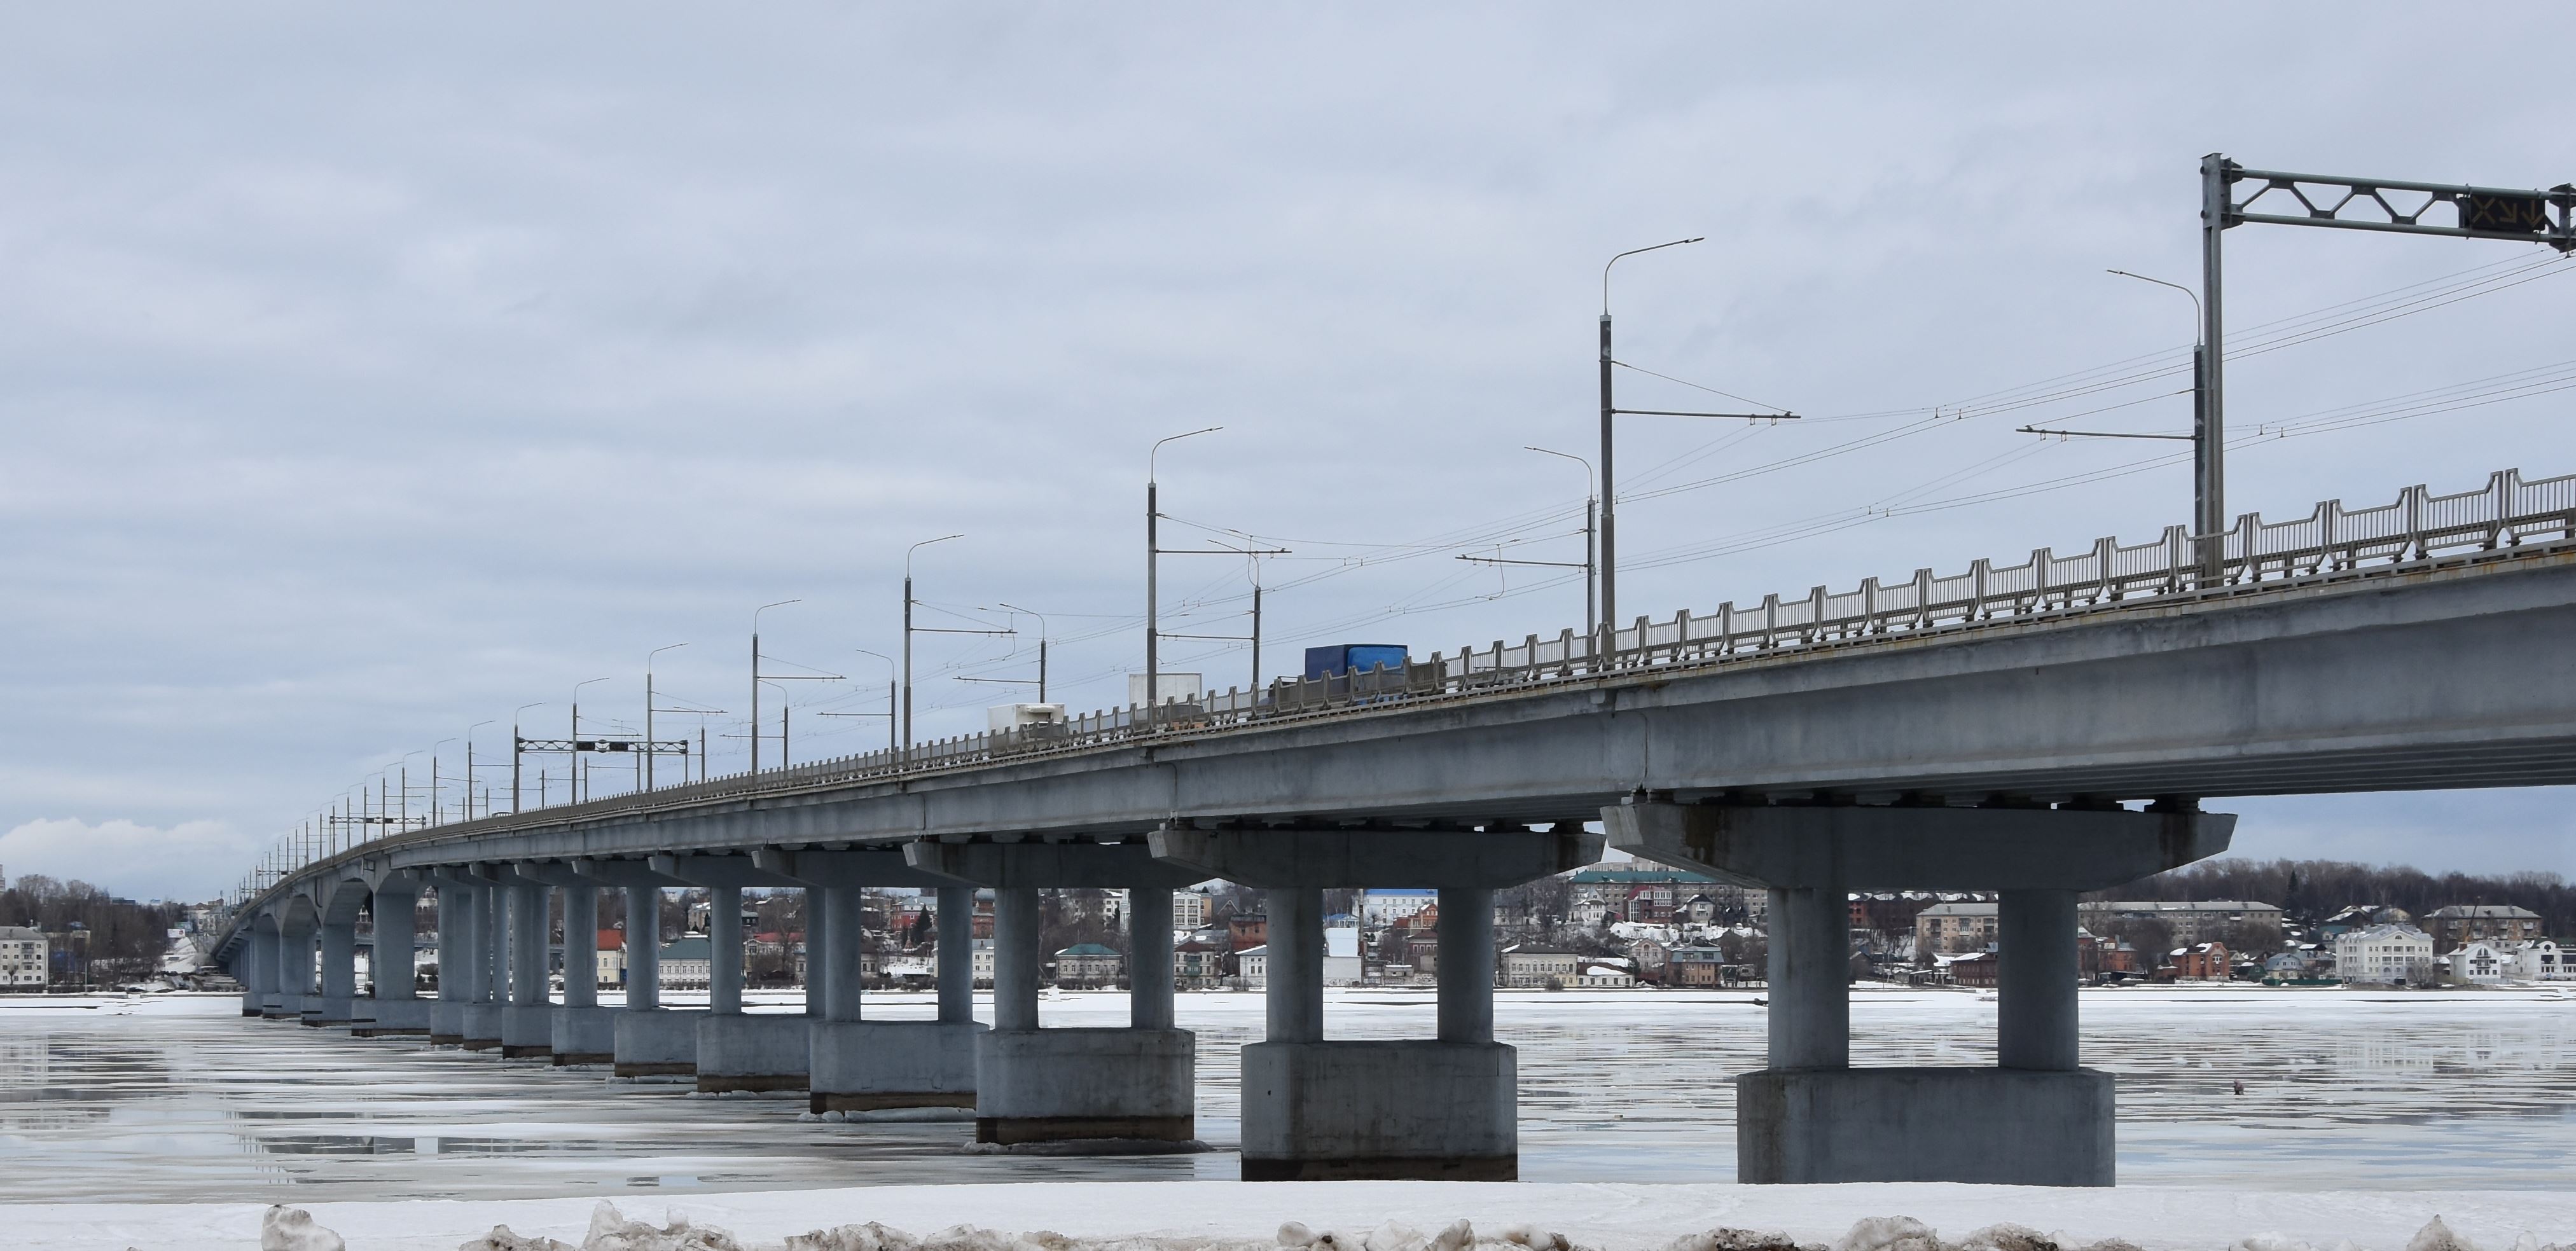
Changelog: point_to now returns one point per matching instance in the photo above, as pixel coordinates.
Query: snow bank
(291, 1229)
(1354, 1216)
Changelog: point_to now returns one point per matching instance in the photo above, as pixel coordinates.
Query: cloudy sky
(365, 375)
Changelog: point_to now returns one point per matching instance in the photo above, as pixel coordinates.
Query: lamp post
(890, 690)
(755, 676)
(1609, 505)
(2208, 491)
(652, 749)
(907, 633)
(469, 768)
(1153, 657)
(1591, 624)
(515, 740)
(435, 812)
(572, 770)
(1042, 645)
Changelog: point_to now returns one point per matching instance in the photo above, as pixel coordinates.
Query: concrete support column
(1149, 958)
(528, 945)
(339, 971)
(2035, 983)
(1466, 973)
(956, 922)
(466, 971)
(1296, 990)
(1015, 958)
(819, 963)
(1810, 978)
(450, 951)
(643, 947)
(263, 980)
(390, 961)
(837, 908)
(724, 960)
(495, 910)
(294, 969)
(581, 946)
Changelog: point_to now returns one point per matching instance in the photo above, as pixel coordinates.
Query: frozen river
(182, 1098)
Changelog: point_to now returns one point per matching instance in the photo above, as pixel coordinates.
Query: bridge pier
(2035, 1119)
(646, 1040)
(1064, 1085)
(483, 1014)
(1444, 1108)
(528, 1022)
(294, 965)
(455, 960)
(583, 1032)
(858, 1065)
(737, 1050)
(396, 1009)
(259, 970)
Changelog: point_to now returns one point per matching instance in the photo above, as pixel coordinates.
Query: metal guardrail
(2506, 512)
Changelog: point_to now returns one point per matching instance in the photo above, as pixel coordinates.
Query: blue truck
(1341, 658)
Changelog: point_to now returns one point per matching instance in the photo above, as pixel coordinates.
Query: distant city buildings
(2189, 921)
(2493, 923)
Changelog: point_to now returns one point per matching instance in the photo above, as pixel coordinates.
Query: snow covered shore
(1369, 1216)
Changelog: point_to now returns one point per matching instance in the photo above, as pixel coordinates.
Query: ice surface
(180, 1098)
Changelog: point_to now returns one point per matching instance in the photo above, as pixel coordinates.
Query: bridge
(2036, 729)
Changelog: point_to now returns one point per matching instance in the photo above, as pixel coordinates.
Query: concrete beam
(884, 866)
(1916, 848)
(733, 871)
(1270, 859)
(1048, 866)
(628, 874)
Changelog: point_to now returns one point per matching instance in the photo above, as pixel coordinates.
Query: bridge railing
(2417, 525)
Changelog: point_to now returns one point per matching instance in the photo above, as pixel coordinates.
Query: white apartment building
(983, 961)
(2388, 954)
(2191, 921)
(1191, 909)
(23, 956)
(1531, 966)
(1386, 907)
(688, 962)
(2477, 964)
(1342, 963)
(1955, 927)
(2539, 960)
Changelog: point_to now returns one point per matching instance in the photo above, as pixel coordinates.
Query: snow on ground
(1607, 1216)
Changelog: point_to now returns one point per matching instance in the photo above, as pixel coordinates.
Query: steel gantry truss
(2232, 195)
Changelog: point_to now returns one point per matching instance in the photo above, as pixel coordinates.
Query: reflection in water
(184, 1099)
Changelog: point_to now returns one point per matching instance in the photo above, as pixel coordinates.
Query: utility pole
(890, 693)
(1153, 549)
(755, 676)
(517, 749)
(907, 636)
(1591, 619)
(1609, 573)
(650, 743)
(573, 777)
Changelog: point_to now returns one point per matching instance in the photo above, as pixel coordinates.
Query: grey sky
(364, 375)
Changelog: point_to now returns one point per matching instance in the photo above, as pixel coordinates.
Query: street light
(907, 634)
(434, 812)
(755, 676)
(651, 748)
(1153, 658)
(1042, 643)
(1591, 627)
(515, 741)
(572, 771)
(1609, 540)
(890, 690)
(469, 771)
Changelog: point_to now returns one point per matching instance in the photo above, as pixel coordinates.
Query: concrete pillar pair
(455, 961)
(261, 971)
(736, 1049)
(1059, 1085)
(645, 1038)
(484, 1010)
(528, 1022)
(294, 964)
(339, 958)
(1443, 1109)
(856, 1066)
(2037, 1117)
(396, 1009)
(1446, 1107)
